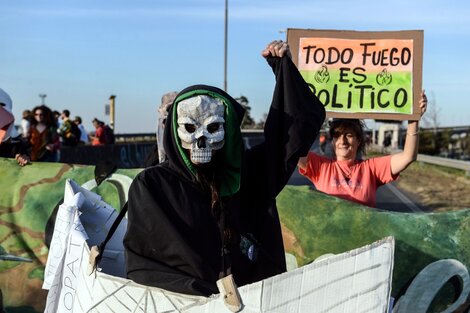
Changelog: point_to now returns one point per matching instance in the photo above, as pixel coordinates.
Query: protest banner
(358, 74)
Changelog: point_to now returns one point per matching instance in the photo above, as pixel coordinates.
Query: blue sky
(79, 52)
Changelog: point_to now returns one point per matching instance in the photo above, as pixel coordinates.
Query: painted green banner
(313, 224)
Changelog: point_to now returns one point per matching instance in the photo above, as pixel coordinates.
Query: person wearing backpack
(109, 134)
(69, 131)
(103, 134)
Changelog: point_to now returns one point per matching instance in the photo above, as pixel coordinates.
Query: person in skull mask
(11, 143)
(210, 209)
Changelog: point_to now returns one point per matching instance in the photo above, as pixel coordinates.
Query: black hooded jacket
(12, 147)
(173, 240)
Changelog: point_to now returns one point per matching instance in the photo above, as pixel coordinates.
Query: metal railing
(446, 162)
(452, 163)
(138, 137)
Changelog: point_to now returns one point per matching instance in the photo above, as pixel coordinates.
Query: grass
(438, 169)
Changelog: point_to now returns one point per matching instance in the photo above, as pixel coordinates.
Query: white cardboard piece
(355, 281)
(83, 219)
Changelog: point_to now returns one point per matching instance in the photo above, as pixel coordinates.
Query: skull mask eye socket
(190, 128)
(213, 127)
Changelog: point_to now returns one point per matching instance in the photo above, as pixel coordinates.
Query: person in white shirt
(27, 116)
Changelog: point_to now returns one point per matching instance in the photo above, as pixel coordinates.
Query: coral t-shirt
(351, 180)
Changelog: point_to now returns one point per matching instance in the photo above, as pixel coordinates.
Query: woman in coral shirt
(352, 179)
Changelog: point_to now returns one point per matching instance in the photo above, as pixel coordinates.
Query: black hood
(230, 155)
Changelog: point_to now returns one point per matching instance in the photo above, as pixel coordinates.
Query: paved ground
(389, 197)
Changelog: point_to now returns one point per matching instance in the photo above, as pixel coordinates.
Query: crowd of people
(42, 133)
(208, 200)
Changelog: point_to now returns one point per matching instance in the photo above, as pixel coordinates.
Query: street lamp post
(112, 100)
(225, 45)
(42, 96)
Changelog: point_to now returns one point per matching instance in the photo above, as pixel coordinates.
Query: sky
(80, 52)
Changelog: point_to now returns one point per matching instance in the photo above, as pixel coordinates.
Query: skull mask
(201, 126)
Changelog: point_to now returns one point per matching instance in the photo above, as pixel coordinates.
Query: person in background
(351, 178)
(11, 143)
(157, 155)
(69, 131)
(27, 118)
(210, 209)
(98, 138)
(44, 138)
(167, 101)
(387, 142)
(56, 118)
(83, 133)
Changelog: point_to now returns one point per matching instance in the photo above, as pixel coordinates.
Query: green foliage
(466, 144)
(433, 143)
(248, 121)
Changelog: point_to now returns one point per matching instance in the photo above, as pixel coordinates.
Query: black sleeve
(294, 120)
(152, 157)
(12, 148)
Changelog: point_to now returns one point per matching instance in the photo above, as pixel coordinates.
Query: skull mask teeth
(201, 126)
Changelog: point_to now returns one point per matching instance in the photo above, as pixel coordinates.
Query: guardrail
(447, 162)
(139, 137)
(457, 164)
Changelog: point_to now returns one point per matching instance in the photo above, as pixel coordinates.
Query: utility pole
(42, 96)
(111, 111)
(225, 45)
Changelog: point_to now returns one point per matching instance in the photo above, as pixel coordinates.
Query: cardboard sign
(84, 218)
(376, 75)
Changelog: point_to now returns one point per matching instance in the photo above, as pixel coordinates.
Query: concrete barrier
(126, 155)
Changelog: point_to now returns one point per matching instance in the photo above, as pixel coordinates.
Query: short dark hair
(66, 113)
(95, 120)
(340, 125)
